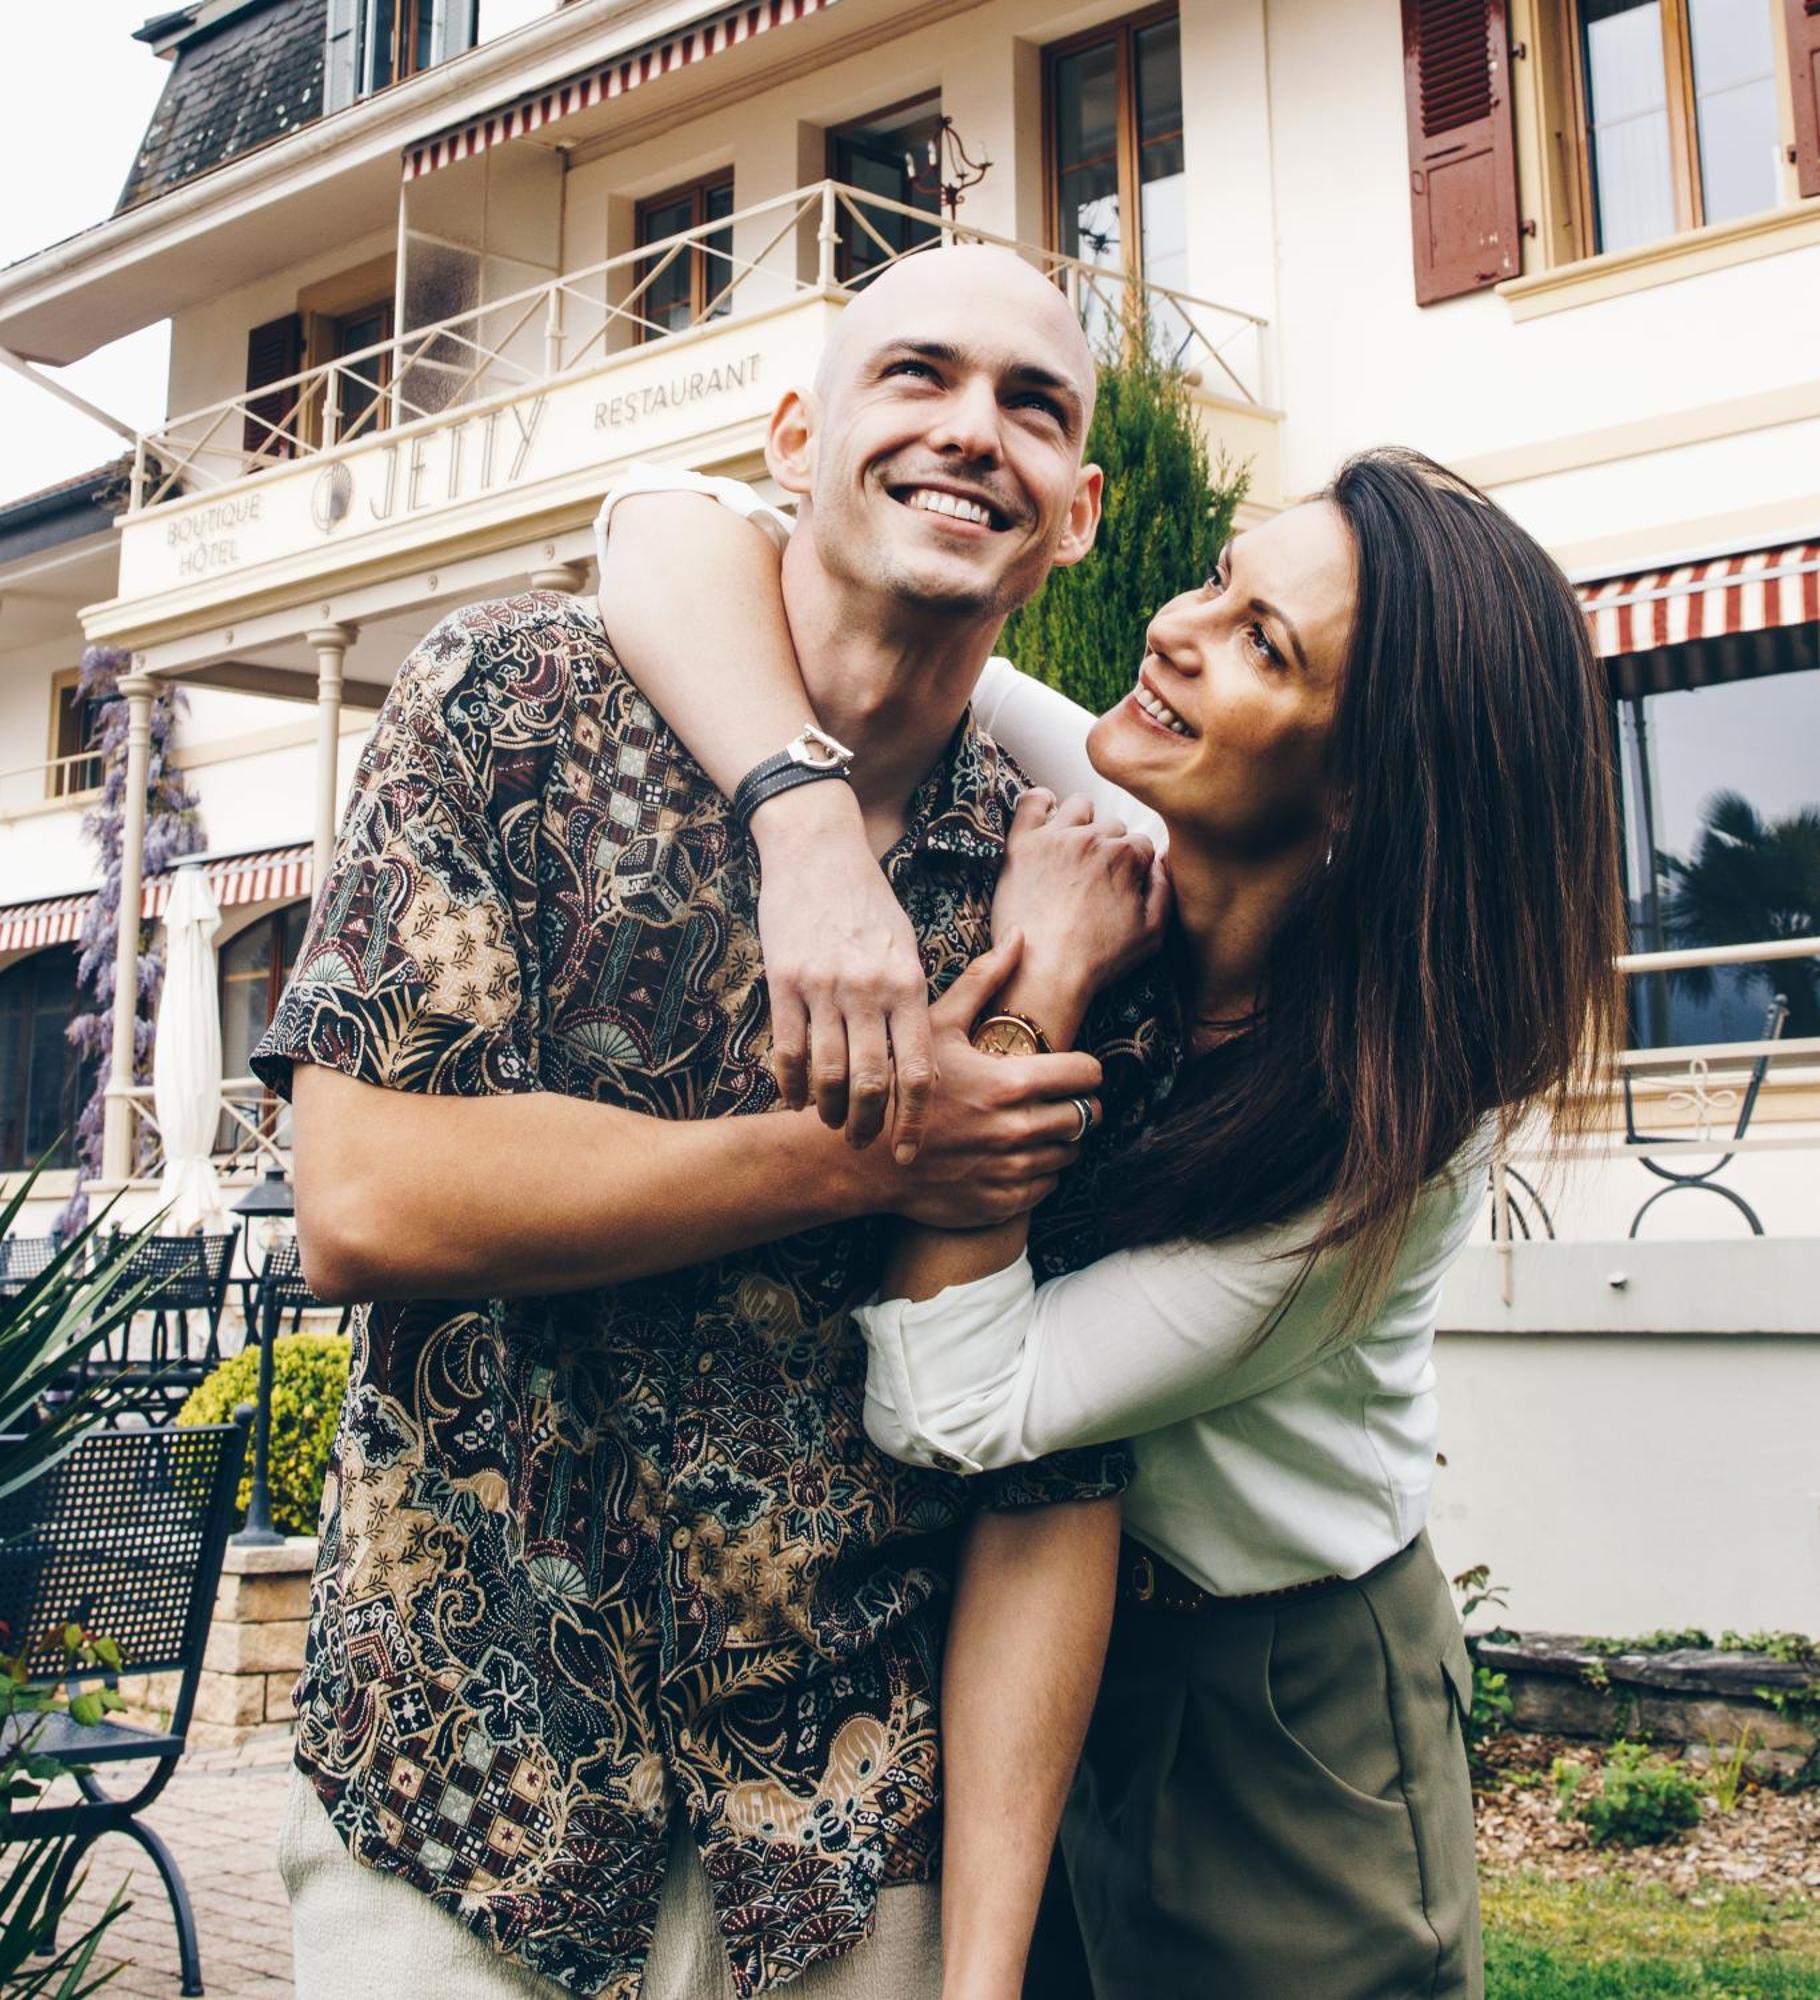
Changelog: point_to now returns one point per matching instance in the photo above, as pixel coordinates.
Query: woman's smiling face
(1226, 732)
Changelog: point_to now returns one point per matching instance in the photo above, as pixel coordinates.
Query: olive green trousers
(1273, 1803)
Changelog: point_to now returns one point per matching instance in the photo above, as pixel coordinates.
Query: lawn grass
(1618, 1940)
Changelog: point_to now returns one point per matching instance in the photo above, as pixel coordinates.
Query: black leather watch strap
(781, 773)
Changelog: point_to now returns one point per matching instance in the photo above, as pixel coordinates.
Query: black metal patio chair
(1704, 1180)
(282, 1288)
(154, 1360)
(23, 1258)
(124, 1537)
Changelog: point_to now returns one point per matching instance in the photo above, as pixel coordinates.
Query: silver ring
(1086, 1110)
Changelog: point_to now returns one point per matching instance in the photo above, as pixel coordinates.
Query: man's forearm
(1032, 1610)
(401, 1195)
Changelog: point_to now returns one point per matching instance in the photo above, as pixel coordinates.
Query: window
(1118, 189)
(43, 1085)
(1722, 830)
(358, 389)
(370, 44)
(76, 763)
(1677, 108)
(255, 963)
(398, 40)
(896, 154)
(691, 285)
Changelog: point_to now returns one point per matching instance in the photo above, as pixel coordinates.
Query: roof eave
(38, 295)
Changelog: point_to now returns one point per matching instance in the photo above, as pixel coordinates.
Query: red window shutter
(1462, 154)
(1804, 74)
(273, 352)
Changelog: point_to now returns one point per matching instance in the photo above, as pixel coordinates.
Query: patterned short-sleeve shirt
(592, 1559)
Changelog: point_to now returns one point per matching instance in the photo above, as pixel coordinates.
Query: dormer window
(373, 44)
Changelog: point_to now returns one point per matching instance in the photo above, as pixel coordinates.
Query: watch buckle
(817, 750)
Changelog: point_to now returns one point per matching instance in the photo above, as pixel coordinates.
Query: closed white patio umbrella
(186, 1059)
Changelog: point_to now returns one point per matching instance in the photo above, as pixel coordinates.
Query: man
(625, 1641)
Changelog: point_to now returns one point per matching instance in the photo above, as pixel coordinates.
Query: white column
(331, 643)
(117, 1127)
(550, 574)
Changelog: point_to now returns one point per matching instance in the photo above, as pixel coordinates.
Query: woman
(1377, 746)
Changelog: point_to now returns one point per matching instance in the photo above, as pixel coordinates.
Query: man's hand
(849, 1000)
(1002, 1129)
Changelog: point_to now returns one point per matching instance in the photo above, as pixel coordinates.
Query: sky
(82, 97)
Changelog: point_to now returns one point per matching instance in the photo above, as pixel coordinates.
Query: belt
(1147, 1580)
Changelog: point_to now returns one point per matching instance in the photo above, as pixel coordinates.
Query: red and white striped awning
(1724, 597)
(274, 874)
(724, 29)
(54, 920)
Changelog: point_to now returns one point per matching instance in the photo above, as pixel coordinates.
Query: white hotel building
(435, 268)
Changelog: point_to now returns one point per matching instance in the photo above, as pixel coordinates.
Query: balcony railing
(578, 322)
(72, 777)
(1684, 1114)
(251, 1148)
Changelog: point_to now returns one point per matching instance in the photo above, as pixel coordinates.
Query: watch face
(1005, 1035)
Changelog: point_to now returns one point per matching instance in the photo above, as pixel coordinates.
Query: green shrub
(309, 1379)
(1166, 516)
(1639, 1798)
(1491, 1702)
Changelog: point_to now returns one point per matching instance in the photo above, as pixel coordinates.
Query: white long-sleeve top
(1265, 1453)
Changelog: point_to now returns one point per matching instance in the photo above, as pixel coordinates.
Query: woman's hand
(849, 998)
(1002, 1128)
(1091, 901)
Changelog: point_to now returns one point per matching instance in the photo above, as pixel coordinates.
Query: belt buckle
(1143, 1579)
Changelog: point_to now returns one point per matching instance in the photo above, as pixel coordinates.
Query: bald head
(1008, 302)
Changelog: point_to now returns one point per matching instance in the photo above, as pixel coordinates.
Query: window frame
(696, 192)
(324, 347)
(277, 976)
(56, 786)
(842, 134)
(1123, 33)
(71, 1093)
(1683, 125)
(412, 20)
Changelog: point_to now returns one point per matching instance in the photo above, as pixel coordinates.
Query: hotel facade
(435, 269)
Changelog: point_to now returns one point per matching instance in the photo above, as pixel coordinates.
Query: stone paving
(220, 1813)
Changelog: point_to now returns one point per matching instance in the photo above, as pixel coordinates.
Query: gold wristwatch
(1010, 1035)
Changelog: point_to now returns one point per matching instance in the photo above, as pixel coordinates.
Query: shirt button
(680, 1538)
(943, 1463)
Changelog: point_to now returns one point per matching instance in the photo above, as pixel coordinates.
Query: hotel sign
(410, 489)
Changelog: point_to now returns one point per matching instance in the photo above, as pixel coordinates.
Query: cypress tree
(1167, 513)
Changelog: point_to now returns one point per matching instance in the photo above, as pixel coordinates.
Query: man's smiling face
(948, 421)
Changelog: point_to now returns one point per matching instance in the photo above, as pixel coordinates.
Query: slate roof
(62, 513)
(238, 83)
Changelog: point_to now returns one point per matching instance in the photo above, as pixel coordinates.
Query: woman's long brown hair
(1453, 960)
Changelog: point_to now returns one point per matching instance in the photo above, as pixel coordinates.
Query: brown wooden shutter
(273, 352)
(1804, 75)
(1462, 155)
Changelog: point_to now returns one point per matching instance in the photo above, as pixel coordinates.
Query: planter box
(1697, 1697)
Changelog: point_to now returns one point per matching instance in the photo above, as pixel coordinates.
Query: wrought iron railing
(583, 320)
(1698, 1101)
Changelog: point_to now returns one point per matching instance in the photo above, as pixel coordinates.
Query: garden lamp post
(268, 1205)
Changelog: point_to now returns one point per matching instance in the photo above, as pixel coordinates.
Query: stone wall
(254, 1652)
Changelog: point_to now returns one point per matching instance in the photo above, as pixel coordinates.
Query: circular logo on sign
(333, 496)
